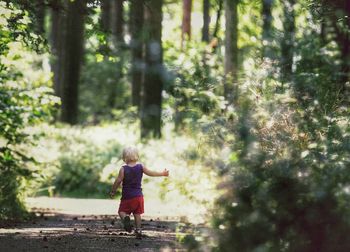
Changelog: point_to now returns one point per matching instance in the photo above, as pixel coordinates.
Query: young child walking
(130, 176)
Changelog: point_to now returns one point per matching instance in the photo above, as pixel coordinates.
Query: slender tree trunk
(118, 20)
(40, 9)
(323, 24)
(231, 49)
(151, 105)
(55, 43)
(186, 20)
(287, 44)
(267, 28)
(57, 34)
(136, 46)
(105, 19)
(206, 20)
(105, 24)
(343, 40)
(117, 31)
(205, 32)
(74, 47)
(218, 17)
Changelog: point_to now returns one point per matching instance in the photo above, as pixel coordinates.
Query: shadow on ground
(50, 231)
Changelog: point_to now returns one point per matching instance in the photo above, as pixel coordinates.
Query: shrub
(288, 173)
(80, 169)
(23, 101)
(193, 83)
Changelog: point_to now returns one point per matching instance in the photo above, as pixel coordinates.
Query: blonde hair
(130, 154)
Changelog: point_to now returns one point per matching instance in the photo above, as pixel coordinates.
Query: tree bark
(231, 49)
(118, 21)
(206, 20)
(73, 46)
(186, 20)
(57, 34)
(136, 46)
(39, 10)
(218, 16)
(151, 105)
(343, 41)
(105, 18)
(344, 44)
(287, 44)
(267, 28)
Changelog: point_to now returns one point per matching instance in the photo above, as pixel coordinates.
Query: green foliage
(80, 168)
(289, 182)
(77, 161)
(318, 76)
(22, 102)
(103, 87)
(84, 162)
(249, 31)
(195, 87)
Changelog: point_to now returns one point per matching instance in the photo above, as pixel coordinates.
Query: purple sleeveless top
(132, 181)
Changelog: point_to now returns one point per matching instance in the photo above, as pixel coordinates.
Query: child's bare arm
(117, 182)
(148, 172)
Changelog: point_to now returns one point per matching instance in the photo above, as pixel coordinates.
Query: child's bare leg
(122, 215)
(125, 220)
(137, 218)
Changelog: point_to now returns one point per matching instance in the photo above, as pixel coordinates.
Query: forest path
(65, 230)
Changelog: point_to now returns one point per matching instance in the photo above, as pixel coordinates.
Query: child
(130, 175)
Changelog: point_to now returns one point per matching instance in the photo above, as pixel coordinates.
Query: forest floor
(78, 225)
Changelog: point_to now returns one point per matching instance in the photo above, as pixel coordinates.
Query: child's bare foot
(126, 223)
(138, 233)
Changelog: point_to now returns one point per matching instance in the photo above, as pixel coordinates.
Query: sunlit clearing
(188, 191)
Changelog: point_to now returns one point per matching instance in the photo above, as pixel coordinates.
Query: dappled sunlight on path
(58, 232)
(66, 224)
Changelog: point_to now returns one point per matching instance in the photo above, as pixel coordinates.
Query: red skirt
(133, 205)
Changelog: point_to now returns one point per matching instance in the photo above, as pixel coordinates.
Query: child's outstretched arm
(117, 182)
(148, 172)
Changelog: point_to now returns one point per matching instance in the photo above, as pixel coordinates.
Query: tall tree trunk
(105, 24)
(343, 41)
(136, 46)
(105, 19)
(116, 28)
(218, 17)
(74, 47)
(344, 44)
(287, 44)
(39, 12)
(267, 28)
(186, 20)
(206, 20)
(118, 20)
(57, 34)
(231, 49)
(151, 105)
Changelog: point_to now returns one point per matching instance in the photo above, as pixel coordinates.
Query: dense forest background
(256, 93)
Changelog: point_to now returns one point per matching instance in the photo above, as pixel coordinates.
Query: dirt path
(51, 231)
(85, 233)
